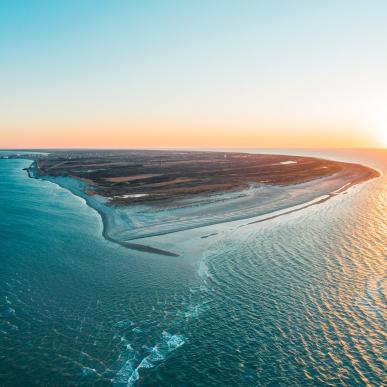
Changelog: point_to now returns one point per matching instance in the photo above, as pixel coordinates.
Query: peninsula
(161, 177)
(148, 193)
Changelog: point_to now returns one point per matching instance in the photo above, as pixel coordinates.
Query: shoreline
(116, 230)
(96, 206)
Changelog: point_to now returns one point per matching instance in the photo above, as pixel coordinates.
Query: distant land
(158, 177)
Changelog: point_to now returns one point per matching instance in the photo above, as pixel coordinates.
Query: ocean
(295, 300)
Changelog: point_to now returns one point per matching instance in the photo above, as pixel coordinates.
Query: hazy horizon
(187, 148)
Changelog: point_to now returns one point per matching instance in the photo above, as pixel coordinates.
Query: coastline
(125, 225)
(76, 187)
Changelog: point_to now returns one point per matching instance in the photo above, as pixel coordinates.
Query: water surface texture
(295, 300)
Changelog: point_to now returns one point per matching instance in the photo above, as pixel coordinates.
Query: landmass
(144, 194)
(150, 176)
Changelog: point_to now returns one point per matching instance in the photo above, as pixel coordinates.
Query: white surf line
(342, 188)
(285, 211)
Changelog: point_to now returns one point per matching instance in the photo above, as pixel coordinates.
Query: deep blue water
(298, 300)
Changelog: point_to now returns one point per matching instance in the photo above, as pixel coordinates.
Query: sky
(186, 73)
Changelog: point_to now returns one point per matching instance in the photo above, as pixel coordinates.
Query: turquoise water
(296, 300)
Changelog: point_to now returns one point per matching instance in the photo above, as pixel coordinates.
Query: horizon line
(187, 148)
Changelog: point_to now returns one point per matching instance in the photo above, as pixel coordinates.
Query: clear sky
(197, 73)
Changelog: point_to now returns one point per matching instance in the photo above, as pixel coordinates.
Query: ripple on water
(298, 300)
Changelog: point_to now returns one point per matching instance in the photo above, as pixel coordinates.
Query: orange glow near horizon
(193, 75)
(172, 135)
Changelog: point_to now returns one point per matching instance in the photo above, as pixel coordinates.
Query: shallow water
(296, 300)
